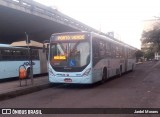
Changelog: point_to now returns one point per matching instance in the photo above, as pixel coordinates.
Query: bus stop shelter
(33, 44)
(30, 46)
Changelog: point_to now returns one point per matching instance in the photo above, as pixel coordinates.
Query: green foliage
(139, 54)
(152, 36)
(149, 54)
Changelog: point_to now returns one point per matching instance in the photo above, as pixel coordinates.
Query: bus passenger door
(95, 60)
(95, 54)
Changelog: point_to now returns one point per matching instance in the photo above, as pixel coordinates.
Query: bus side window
(130, 53)
(126, 52)
(108, 49)
(95, 48)
(113, 50)
(117, 51)
(120, 52)
(35, 55)
(6, 54)
(102, 48)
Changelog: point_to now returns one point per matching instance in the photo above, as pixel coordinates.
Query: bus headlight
(86, 72)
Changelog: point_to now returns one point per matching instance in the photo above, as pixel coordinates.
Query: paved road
(138, 89)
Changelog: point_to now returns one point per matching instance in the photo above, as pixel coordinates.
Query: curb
(24, 91)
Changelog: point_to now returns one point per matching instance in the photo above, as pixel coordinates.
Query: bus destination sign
(70, 37)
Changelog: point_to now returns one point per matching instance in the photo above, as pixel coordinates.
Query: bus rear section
(70, 58)
(12, 57)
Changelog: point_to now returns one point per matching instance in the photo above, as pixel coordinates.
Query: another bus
(86, 58)
(12, 57)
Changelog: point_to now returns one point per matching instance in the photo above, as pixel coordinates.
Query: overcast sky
(124, 17)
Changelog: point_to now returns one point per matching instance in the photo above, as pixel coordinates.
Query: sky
(123, 17)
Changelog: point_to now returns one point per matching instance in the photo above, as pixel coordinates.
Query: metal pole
(30, 58)
(31, 66)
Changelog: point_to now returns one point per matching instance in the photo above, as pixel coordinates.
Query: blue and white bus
(86, 58)
(12, 57)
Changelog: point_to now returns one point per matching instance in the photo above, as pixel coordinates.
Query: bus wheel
(104, 76)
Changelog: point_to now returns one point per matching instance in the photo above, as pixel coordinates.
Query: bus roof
(32, 43)
(114, 40)
(105, 37)
(5, 45)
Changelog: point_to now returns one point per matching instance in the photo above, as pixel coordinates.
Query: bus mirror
(46, 42)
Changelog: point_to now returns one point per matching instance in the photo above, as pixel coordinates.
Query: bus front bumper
(72, 80)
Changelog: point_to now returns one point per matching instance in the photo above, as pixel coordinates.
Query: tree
(139, 54)
(149, 54)
(153, 37)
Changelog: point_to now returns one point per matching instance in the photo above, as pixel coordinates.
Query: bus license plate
(67, 80)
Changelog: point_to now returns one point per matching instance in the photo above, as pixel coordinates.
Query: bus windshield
(70, 54)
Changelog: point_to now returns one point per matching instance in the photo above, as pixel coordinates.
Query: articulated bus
(86, 58)
(12, 57)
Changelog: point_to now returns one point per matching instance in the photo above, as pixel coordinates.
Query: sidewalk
(12, 89)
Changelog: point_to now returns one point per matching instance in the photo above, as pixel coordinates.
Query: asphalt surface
(138, 89)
